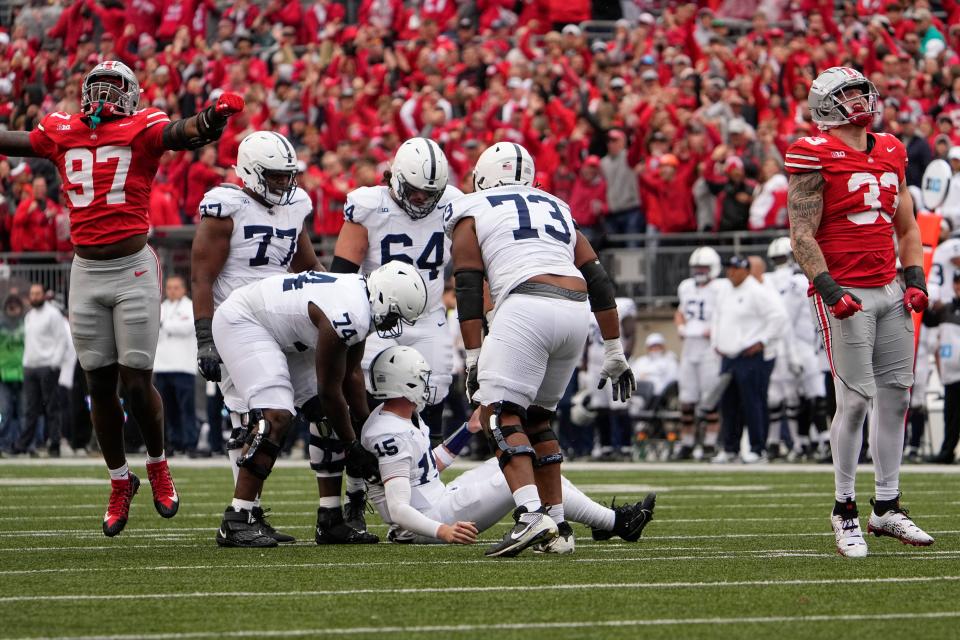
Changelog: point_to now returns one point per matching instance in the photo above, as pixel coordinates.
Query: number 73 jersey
(523, 232)
(106, 171)
(860, 198)
(393, 235)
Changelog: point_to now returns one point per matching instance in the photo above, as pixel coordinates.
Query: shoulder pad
(462, 207)
(222, 201)
(805, 155)
(449, 194)
(151, 116)
(363, 204)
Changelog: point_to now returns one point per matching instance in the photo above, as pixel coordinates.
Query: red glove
(915, 299)
(846, 306)
(229, 104)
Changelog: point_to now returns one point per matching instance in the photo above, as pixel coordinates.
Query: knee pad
(497, 434)
(793, 411)
(326, 451)
(538, 415)
(540, 436)
(687, 414)
(240, 427)
(776, 412)
(258, 441)
(312, 410)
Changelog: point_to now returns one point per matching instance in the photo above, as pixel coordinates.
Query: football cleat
(165, 497)
(724, 457)
(118, 509)
(353, 510)
(685, 452)
(846, 529)
(752, 457)
(260, 517)
(239, 529)
(331, 529)
(564, 542)
(531, 527)
(630, 520)
(399, 535)
(895, 523)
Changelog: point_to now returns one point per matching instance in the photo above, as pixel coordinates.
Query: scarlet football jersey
(107, 171)
(861, 192)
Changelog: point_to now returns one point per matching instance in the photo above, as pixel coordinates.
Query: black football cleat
(239, 529)
(630, 520)
(260, 517)
(354, 509)
(331, 529)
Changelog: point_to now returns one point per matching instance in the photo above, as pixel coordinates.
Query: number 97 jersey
(393, 235)
(861, 193)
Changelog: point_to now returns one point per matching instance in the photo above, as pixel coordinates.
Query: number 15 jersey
(860, 197)
(523, 232)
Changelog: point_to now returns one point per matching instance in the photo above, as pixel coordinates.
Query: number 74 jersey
(523, 232)
(861, 193)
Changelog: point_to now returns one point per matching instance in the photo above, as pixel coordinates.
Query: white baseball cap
(655, 340)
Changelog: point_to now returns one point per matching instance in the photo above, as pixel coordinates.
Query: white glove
(617, 370)
(472, 383)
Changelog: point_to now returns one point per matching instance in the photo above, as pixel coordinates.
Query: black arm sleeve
(342, 265)
(209, 124)
(469, 290)
(599, 287)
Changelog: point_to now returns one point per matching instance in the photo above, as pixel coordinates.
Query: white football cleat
(723, 458)
(849, 535)
(530, 529)
(562, 544)
(896, 524)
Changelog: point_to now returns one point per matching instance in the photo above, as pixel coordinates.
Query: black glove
(473, 385)
(360, 463)
(208, 360)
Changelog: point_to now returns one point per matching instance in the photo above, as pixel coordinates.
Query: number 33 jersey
(106, 171)
(860, 197)
(394, 235)
(263, 240)
(523, 232)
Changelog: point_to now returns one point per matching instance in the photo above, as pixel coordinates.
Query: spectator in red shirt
(668, 190)
(33, 223)
(588, 200)
(202, 176)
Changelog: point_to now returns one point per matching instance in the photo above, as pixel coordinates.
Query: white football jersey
(394, 439)
(394, 235)
(263, 240)
(792, 287)
(697, 305)
(280, 304)
(940, 279)
(523, 232)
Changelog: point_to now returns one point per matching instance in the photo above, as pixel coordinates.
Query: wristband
(827, 287)
(472, 357)
(204, 329)
(458, 440)
(913, 277)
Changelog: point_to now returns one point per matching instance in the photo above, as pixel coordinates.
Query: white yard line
(264, 595)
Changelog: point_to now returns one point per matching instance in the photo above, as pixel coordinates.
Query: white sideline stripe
(513, 626)
(704, 556)
(419, 590)
(52, 482)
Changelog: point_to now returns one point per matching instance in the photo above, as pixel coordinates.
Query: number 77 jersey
(107, 171)
(861, 193)
(523, 232)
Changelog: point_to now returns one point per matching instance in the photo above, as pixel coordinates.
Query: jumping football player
(107, 157)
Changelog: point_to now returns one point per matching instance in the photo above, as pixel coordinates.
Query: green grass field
(730, 553)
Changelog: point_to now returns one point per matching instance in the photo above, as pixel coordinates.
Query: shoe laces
(849, 524)
(160, 480)
(119, 498)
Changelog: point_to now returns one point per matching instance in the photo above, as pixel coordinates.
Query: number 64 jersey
(860, 198)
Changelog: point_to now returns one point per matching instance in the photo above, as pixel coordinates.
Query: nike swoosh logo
(440, 324)
(514, 536)
(889, 149)
(137, 274)
(222, 534)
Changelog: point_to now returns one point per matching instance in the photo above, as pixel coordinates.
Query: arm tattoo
(805, 207)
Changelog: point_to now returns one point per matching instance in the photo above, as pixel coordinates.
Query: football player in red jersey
(107, 157)
(847, 197)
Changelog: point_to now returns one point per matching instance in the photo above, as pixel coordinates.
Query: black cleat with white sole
(531, 528)
(260, 517)
(331, 529)
(354, 509)
(240, 529)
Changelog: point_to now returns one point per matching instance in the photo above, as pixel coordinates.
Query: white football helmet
(830, 105)
(504, 163)
(267, 164)
(704, 264)
(581, 414)
(398, 296)
(400, 372)
(418, 176)
(110, 89)
(779, 250)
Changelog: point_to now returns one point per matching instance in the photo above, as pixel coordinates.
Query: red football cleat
(121, 494)
(165, 497)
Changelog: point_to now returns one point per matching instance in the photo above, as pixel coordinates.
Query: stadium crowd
(671, 118)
